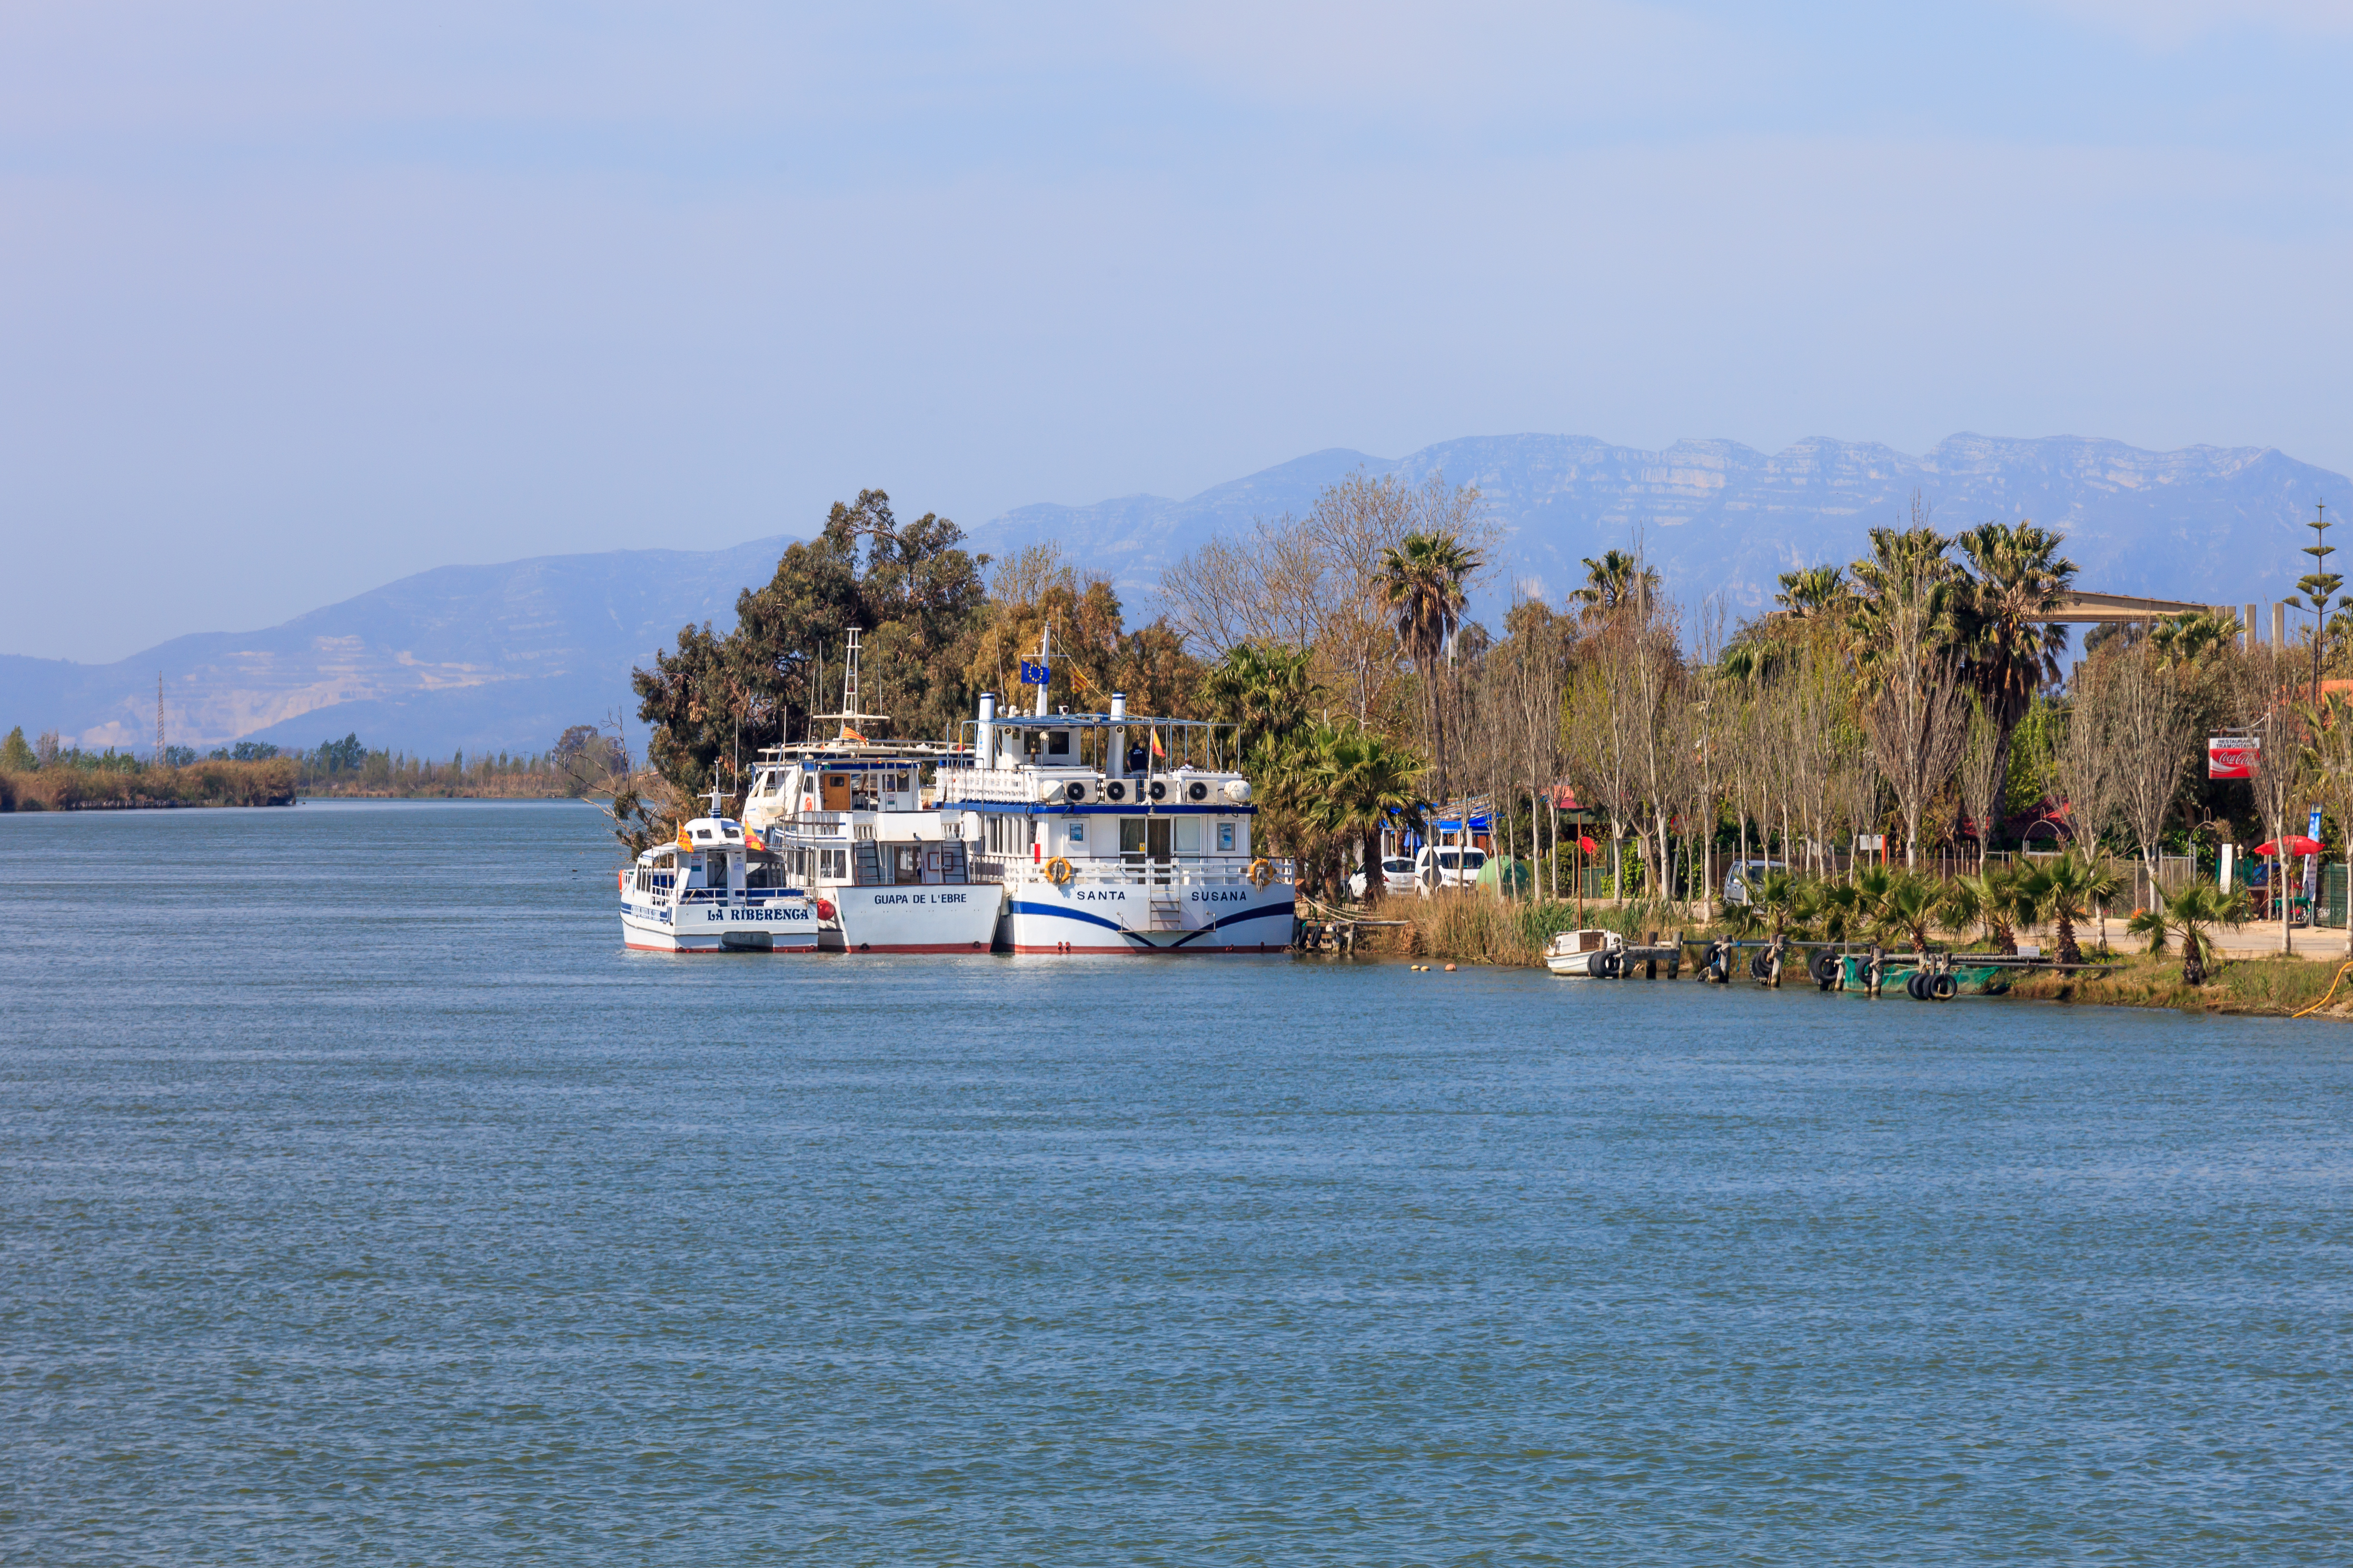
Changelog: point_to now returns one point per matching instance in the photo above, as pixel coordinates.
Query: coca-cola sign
(2231, 756)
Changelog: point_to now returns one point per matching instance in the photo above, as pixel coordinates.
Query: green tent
(1501, 876)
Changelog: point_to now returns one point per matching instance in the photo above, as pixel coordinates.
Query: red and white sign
(2231, 756)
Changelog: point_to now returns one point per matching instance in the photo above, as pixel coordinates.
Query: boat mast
(1045, 665)
(850, 687)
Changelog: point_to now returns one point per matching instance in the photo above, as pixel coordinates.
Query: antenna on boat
(1045, 664)
(850, 715)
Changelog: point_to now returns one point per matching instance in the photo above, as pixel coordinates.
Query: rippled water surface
(362, 1199)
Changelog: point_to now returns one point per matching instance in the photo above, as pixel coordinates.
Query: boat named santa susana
(1114, 833)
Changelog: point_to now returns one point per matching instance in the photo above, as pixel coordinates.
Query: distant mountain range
(1716, 517)
(483, 658)
(507, 655)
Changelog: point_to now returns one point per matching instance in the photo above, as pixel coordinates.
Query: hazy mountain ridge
(458, 656)
(507, 655)
(1718, 518)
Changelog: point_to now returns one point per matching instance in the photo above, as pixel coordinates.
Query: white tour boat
(1599, 955)
(1114, 833)
(716, 889)
(889, 873)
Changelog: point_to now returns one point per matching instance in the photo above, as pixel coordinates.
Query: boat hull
(935, 919)
(769, 928)
(1138, 919)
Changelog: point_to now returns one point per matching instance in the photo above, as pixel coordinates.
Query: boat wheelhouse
(889, 871)
(716, 889)
(1114, 832)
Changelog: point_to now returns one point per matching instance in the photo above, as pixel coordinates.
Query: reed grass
(2258, 987)
(268, 783)
(1475, 927)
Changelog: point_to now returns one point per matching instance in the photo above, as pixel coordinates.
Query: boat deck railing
(1136, 871)
(748, 896)
(1004, 786)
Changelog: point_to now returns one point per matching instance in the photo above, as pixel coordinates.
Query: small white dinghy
(1595, 955)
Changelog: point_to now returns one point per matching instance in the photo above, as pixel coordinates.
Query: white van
(1448, 868)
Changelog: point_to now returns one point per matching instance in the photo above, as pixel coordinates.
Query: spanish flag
(752, 840)
(1155, 747)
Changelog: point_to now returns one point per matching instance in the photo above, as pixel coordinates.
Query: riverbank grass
(63, 788)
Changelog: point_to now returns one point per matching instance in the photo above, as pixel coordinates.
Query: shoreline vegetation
(44, 776)
(149, 787)
(1475, 928)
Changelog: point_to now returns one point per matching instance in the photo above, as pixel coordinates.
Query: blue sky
(295, 300)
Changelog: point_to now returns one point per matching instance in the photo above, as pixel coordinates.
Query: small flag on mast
(1035, 674)
(1155, 747)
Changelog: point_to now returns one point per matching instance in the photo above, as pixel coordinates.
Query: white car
(1448, 868)
(1397, 877)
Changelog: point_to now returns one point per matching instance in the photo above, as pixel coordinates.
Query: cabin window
(1057, 743)
(1131, 835)
(1189, 835)
(1078, 833)
(1225, 837)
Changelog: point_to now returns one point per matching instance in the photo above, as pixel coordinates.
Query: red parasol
(2293, 843)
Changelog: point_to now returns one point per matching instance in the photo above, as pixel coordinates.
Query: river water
(361, 1200)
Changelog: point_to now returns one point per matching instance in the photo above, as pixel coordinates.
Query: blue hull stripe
(1061, 913)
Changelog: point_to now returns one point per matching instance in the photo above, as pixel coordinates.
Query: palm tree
(1366, 780)
(1909, 907)
(1780, 903)
(1423, 578)
(2185, 639)
(1903, 593)
(2066, 889)
(1843, 910)
(1266, 691)
(2193, 913)
(2010, 650)
(1970, 905)
(1812, 592)
(1616, 579)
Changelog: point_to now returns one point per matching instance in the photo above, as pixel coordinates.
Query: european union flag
(1033, 673)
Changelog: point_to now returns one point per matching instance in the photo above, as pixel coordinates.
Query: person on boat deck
(1136, 758)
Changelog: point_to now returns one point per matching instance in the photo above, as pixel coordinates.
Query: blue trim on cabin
(1095, 808)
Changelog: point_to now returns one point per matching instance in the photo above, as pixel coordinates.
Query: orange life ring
(1259, 872)
(1057, 871)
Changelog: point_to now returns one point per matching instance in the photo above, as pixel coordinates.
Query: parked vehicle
(1397, 877)
(1737, 879)
(1447, 867)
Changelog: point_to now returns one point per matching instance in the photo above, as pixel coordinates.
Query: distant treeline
(81, 781)
(43, 774)
(577, 764)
